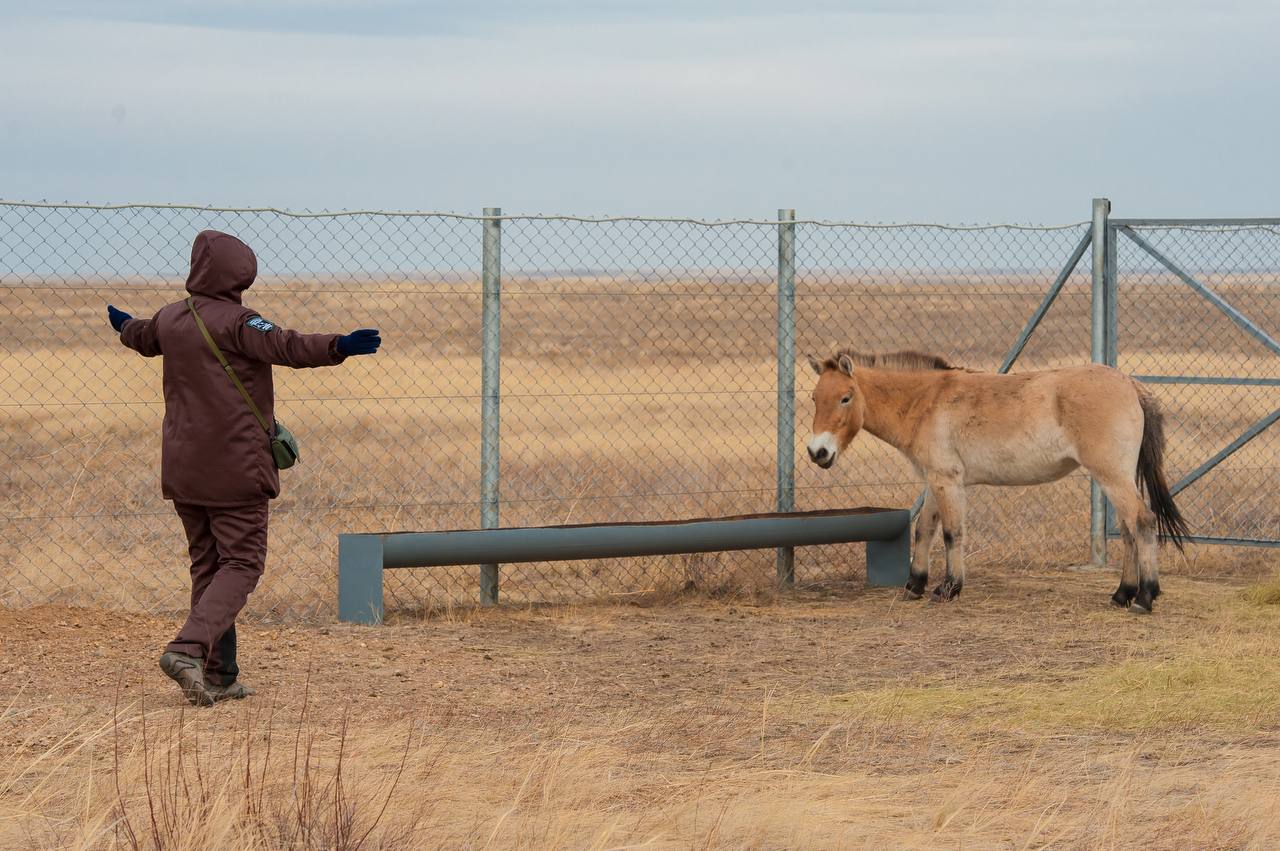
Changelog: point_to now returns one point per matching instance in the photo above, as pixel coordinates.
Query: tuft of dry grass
(1204, 690)
(1264, 593)
(172, 779)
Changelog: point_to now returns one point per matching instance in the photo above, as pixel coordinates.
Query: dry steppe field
(622, 400)
(655, 703)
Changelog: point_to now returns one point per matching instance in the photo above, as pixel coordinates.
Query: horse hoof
(1138, 609)
(945, 592)
(1124, 596)
(908, 594)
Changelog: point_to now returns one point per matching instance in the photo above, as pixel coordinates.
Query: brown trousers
(228, 549)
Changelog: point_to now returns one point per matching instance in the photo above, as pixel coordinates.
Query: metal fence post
(786, 383)
(1113, 346)
(1098, 327)
(491, 347)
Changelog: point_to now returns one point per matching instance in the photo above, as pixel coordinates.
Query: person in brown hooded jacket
(216, 461)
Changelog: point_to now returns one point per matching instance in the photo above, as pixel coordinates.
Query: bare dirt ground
(1027, 715)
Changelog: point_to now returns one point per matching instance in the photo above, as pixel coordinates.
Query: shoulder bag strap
(231, 373)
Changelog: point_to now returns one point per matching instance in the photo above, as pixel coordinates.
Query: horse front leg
(926, 533)
(950, 496)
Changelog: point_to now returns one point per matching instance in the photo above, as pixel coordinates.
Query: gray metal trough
(363, 557)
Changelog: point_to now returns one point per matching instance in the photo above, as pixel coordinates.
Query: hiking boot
(231, 691)
(188, 673)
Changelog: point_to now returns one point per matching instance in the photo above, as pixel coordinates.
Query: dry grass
(1202, 687)
(205, 785)
(1028, 715)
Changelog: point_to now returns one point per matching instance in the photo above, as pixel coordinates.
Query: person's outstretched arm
(265, 341)
(138, 334)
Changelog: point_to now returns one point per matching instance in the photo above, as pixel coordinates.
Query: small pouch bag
(284, 446)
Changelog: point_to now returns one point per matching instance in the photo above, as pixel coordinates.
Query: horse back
(1031, 427)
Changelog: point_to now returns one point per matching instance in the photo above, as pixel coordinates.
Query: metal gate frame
(1104, 349)
(1105, 342)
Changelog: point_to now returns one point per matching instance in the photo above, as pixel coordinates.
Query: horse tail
(1150, 472)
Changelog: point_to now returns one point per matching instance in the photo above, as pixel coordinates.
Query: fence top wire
(1268, 226)
(418, 214)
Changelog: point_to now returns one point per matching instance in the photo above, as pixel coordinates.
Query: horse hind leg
(1138, 583)
(1149, 580)
(1129, 572)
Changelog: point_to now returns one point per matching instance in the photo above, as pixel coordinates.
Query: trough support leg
(888, 561)
(488, 585)
(360, 579)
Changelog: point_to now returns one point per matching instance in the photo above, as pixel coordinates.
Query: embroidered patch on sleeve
(260, 324)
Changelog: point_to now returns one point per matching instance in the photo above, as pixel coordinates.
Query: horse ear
(846, 365)
(815, 363)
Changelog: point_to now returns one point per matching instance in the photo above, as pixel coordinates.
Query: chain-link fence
(639, 380)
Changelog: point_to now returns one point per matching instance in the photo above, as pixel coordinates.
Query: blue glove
(117, 318)
(362, 342)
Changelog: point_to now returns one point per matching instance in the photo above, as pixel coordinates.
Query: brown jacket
(214, 451)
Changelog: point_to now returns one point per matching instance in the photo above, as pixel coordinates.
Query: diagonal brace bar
(1206, 293)
(1253, 431)
(1049, 298)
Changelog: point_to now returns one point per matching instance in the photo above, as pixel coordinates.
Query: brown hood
(222, 266)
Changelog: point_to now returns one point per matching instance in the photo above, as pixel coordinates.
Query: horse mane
(905, 361)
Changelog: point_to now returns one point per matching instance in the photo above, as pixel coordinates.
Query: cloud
(923, 110)
(433, 17)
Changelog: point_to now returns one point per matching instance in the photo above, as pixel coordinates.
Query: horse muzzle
(822, 451)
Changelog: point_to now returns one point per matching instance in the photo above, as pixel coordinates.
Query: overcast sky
(873, 111)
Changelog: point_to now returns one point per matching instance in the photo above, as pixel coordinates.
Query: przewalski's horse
(958, 427)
